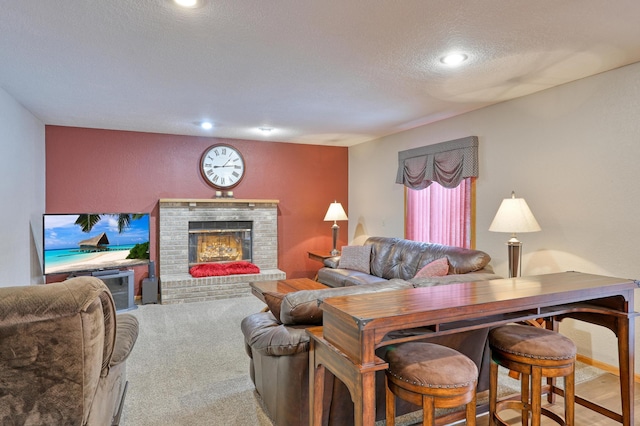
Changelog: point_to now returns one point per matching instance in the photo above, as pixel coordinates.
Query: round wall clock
(222, 166)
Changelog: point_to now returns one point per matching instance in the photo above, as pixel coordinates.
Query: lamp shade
(514, 216)
(335, 212)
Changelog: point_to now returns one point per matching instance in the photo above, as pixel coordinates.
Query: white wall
(22, 191)
(572, 152)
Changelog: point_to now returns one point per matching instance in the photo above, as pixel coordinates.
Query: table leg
(623, 327)
(316, 387)
(365, 405)
(359, 380)
(626, 348)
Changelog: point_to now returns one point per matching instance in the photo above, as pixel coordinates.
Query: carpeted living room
(183, 371)
(188, 157)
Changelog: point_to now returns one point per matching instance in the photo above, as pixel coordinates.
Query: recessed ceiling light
(186, 3)
(207, 125)
(454, 59)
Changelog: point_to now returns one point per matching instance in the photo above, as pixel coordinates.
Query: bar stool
(535, 353)
(431, 376)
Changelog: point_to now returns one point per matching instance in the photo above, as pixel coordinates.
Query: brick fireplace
(258, 217)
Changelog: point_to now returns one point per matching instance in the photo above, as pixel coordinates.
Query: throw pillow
(274, 301)
(437, 268)
(356, 258)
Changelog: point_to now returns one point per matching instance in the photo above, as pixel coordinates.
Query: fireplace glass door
(219, 241)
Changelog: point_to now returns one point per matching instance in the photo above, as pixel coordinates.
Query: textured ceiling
(333, 72)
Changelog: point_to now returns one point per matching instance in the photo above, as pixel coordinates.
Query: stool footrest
(519, 406)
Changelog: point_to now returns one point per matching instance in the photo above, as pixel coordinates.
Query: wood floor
(603, 390)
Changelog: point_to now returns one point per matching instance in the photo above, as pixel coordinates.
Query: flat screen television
(94, 242)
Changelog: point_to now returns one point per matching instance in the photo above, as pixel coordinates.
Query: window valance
(446, 163)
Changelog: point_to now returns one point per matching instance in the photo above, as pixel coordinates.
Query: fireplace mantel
(203, 202)
(177, 285)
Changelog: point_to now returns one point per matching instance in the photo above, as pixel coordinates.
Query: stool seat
(532, 342)
(535, 353)
(430, 365)
(432, 376)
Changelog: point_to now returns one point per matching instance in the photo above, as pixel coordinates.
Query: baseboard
(602, 366)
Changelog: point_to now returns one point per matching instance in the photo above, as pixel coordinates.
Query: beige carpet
(189, 367)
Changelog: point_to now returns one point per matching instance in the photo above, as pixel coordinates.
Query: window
(441, 215)
(440, 194)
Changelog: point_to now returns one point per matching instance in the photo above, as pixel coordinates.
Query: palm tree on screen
(88, 221)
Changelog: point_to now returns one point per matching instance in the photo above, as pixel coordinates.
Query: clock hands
(235, 166)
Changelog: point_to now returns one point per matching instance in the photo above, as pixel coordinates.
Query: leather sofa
(63, 354)
(278, 345)
(398, 258)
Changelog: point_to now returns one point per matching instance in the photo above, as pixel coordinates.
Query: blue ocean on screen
(61, 256)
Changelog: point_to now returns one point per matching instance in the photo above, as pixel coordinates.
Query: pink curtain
(440, 215)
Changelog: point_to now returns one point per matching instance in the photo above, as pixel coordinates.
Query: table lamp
(335, 213)
(514, 216)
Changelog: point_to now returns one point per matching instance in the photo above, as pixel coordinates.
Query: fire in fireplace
(219, 241)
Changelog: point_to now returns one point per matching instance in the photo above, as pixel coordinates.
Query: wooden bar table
(354, 326)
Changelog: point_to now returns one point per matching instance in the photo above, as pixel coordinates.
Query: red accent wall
(93, 170)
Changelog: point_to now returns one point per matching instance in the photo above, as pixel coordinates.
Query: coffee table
(284, 286)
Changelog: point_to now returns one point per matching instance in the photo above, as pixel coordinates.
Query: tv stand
(104, 272)
(120, 285)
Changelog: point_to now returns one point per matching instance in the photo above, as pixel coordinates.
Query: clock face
(222, 166)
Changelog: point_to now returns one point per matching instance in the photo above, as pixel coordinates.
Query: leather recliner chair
(62, 354)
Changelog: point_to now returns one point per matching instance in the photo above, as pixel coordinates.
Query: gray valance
(447, 163)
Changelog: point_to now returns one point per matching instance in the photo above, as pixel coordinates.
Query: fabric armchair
(62, 354)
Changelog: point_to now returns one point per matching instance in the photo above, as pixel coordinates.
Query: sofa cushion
(345, 277)
(302, 307)
(335, 277)
(437, 268)
(356, 258)
(273, 299)
(381, 248)
(482, 275)
(361, 279)
(461, 260)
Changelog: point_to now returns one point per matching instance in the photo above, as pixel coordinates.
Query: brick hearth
(176, 284)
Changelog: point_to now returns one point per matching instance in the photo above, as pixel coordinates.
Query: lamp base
(334, 231)
(515, 256)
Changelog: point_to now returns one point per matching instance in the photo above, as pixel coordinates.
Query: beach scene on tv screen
(88, 242)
